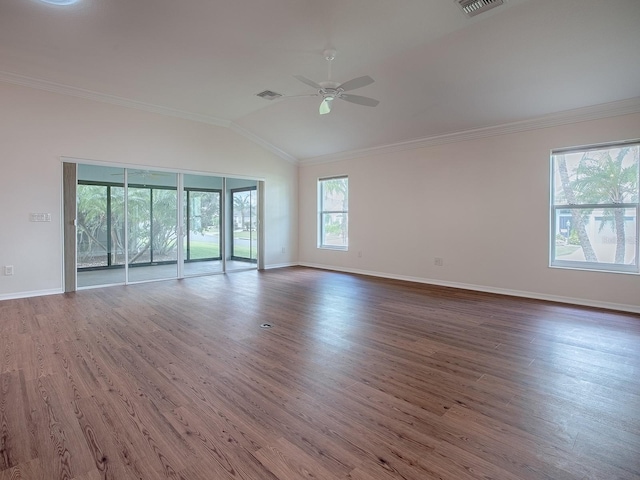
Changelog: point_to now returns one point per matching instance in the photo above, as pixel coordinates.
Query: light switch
(40, 217)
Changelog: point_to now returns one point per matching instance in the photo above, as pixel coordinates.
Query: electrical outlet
(284, 250)
(359, 253)
(437, 261)
(8, 270)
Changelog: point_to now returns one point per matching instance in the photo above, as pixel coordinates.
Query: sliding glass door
(100, 226)
(152, 240)
(242, 223)
(244, 244)
(127, 225)
(203, 225)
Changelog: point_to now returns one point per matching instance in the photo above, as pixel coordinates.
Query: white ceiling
(436, 71)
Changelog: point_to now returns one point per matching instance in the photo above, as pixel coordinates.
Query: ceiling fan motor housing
(331, 92)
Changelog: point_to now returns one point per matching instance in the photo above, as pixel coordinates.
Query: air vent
(269, 95)
(476, 7)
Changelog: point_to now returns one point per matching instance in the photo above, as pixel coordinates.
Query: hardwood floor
(358, 378)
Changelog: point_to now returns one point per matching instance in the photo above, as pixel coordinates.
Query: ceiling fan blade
(360, 100)
(356, 83)
(325, 106)
(306, 81)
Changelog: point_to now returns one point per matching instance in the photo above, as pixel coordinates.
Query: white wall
(450, 200)
(38, 127)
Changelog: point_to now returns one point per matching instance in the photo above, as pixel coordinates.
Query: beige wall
(481, 205)
(37, 128)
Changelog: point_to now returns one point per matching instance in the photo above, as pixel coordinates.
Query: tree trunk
(577, 221)
(116, 245)
(618, 216)
(139, 254)
(92, 237)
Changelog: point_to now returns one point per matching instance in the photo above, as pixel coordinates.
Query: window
(594, 207)
(333, 213)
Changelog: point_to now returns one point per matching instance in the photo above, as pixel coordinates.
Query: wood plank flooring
(359, 378)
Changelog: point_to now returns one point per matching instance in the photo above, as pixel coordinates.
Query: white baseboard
(429, 281)
(34, 293)
(281, 265)
(481, 288)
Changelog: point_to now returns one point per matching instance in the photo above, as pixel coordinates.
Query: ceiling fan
(330, 90)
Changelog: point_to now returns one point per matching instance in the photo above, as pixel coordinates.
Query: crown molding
(105, 98)
(595, 112)
(263, 143)
(53, 87)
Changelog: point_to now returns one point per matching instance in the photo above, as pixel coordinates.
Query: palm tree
(577, 220)
(605, 179)
(92, 223)
(242, 205)
(139, 223)
(117, 225)
(164, 233)
(338, 189)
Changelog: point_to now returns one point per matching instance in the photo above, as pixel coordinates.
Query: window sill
(332, 247)
(629, 270)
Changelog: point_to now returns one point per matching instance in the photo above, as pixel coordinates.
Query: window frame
(322, 212)
(253, 193)
(187, 220)
(555, 209)
(109, 198)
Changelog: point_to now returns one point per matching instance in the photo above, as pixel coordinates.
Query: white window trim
(590, 266)
(321, 212)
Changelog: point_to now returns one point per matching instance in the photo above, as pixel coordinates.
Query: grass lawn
(243, 251)
(204, 250)
(212, 250)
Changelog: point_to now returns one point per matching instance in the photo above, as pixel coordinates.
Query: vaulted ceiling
(436, 70)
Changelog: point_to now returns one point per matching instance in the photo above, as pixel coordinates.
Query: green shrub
(574, 239)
